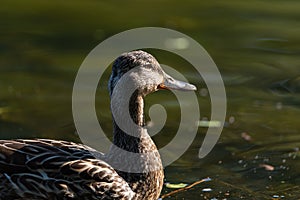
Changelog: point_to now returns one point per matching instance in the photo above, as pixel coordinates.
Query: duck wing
(50, 169)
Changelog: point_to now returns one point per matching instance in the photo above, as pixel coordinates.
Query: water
(254, 44)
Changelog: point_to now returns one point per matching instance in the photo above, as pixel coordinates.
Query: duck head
(145, 73)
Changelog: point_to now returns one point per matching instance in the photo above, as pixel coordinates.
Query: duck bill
(173, 84)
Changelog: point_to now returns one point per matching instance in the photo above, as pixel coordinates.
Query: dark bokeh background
(256, 46)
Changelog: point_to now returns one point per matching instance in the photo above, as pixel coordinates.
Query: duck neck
(135, 156)
(135, 140)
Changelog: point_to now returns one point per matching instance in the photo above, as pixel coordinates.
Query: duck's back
(49, 169)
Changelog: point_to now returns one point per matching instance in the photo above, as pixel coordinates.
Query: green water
(256, 46)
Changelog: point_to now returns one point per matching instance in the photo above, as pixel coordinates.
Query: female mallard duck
(50, 169)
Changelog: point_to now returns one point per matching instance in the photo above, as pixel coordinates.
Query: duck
(62, 170)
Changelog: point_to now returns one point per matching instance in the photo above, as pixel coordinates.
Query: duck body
(50, 169)
(60, 170)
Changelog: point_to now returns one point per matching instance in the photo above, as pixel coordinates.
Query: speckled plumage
(50, 169)
(57, 170)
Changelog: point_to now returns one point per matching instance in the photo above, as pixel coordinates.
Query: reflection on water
(255, 45)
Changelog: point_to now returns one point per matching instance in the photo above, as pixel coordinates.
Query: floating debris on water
(278, 105)
(205, 123)
(246, 136)
(267, 167)
(231, 119)
(182, 187)
(206, 190)
(275, 196)
(177, 43)
(207, 179)
(175, 185)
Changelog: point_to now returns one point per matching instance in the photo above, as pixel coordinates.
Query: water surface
(254, 44)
